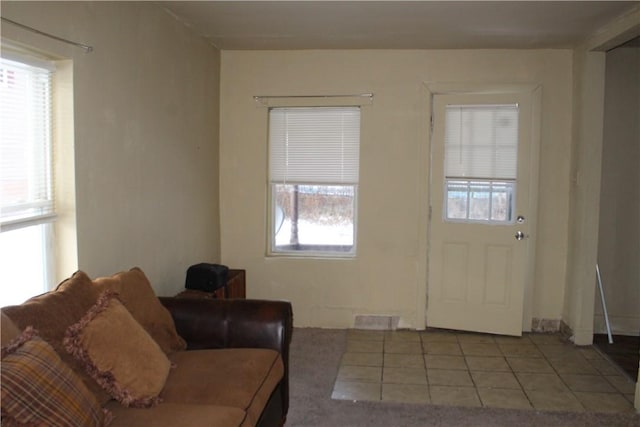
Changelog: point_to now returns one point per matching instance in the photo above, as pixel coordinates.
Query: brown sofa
(194, 362)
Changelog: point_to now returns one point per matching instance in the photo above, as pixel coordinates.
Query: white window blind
(318, 145)
(26, 175)
(481, 141)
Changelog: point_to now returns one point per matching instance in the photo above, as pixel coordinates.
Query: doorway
(619, 225)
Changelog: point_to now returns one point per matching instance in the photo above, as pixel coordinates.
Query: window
(313, 179)
(26, 177)
(481, 151)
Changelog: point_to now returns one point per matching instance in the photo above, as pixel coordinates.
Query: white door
(480, 212)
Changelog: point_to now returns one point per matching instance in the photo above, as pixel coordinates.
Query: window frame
(309, 250)
(37, 219)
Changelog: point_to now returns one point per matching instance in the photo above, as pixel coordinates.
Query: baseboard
(620, 325)
(565, 330)
(545, 326)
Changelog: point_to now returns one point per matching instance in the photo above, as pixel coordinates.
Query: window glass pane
(501, 201)
(457, 199)
(24, 263)
(314, 217)
(479, 201)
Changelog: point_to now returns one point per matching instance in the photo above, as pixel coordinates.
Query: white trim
(28, 222)
(15, 53)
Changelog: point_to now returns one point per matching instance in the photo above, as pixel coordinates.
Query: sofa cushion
(118, 353)
(240, 377)
(9, 330)
(39, 389)
(176, 415)
(52, 313)
(136, 293)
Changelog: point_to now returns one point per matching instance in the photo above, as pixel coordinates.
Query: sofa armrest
(211, 323)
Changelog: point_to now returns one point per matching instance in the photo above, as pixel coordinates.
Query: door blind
(481, 141)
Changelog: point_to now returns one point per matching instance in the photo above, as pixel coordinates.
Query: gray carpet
(315, 357)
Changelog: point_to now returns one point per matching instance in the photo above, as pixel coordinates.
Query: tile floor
(536, 371)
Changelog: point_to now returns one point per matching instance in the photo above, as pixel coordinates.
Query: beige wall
(146, 134)
(388, 276)
(619, 232)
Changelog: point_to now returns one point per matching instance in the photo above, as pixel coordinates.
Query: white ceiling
(396, 24)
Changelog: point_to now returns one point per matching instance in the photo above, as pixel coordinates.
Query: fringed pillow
(118, 353)
(39, 389)
(136, 293)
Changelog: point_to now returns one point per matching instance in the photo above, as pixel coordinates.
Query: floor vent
(376, 322)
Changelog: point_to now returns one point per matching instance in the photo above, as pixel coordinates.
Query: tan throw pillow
(136, 293)
(39, 389)
(52, 313)
(118, 353)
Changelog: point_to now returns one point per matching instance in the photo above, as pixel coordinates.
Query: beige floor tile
(503, 398)
(360, 373)
(346, 390)
(398, 360)
(480, 349)
(529, 364)
(504, 339)
(449, 377)
(590, 353)
(604, 402)
(541, 382)
(439, 337)
(546, 339)
(406, 347)
(553, 400)
(362, 359)
(483, 379)
(442, 348)
(438, 361)
(404, 376)
(359, 346)
(559, 351)
(519, 350)
(365, 335)
(587, 383)
(466, 369)
(571, 365)
(487, 363)
(604, 367)
(454, 396)
(411, 336)
(622, 384)
(476, 338)
(410, 393)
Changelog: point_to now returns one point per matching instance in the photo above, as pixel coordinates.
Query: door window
(480, 165)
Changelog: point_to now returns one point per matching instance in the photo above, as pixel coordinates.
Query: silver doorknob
(519, 235)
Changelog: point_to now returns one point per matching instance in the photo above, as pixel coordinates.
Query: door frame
(534, 91)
